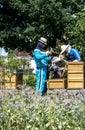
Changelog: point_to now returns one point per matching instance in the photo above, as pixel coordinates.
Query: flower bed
(59, 110)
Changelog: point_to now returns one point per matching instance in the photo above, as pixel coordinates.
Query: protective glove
(75, 61)
(49, 53)
(61, 57)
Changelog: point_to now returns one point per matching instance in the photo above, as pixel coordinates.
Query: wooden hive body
(57, 83)
(75, 75)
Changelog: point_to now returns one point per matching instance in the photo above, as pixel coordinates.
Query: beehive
(9, 84)
(57, 83)
(75, 75)
(75, 66)
(16, 79)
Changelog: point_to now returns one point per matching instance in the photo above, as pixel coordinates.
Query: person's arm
(39, 55)
(48, 59)
(76, 55)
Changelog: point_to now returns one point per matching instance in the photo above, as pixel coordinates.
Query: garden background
(22, 23)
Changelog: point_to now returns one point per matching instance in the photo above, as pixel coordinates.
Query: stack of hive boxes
(75, 74)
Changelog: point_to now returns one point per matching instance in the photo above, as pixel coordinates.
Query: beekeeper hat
(43, 40)
(63, 48)
(56, 59)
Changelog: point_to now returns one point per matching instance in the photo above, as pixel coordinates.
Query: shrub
(31, 80)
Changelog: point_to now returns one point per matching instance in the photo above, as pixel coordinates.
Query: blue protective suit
(73, 55)
(41, 60)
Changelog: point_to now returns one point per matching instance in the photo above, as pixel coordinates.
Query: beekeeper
(41, 59)
(70, 54)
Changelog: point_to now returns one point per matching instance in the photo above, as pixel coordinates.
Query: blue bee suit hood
(40, 46)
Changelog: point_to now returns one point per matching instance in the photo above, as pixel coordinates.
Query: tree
(23, 22)
(76, 29)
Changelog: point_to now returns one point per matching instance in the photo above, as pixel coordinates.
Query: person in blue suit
(42, 60)
(70, 54)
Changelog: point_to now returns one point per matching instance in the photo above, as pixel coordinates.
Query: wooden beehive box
(16, 79)
(57, 83)
(13, 78)
(75, 75)
(75, 66)
(9, 84)
(75, 84)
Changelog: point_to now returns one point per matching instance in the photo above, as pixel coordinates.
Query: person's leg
(43, 83)
(37, 80)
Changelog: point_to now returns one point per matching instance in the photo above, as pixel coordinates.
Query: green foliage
(23, 22)
(11, 65)
(31, 81)
(22, 111)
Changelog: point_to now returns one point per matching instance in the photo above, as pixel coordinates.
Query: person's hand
(75, 61)
(51, 50)
(49, 53)
(61, 57)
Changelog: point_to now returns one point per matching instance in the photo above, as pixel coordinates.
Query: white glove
(50, 52)
(47, 52)
(75, 61)
(61, 57)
